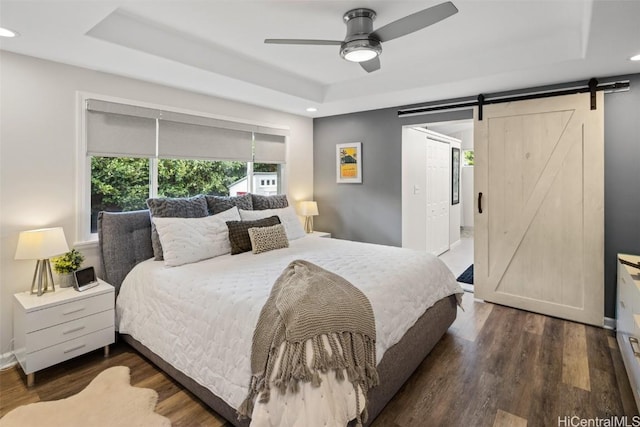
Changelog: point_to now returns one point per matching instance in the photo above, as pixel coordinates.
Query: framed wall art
(349, 163)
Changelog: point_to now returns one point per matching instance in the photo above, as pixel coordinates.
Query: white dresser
(60, 325)
(628, 320)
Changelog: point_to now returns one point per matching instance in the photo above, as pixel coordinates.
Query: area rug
(109, 400)
(466, 276)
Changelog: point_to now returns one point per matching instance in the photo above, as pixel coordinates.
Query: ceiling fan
(364, 45)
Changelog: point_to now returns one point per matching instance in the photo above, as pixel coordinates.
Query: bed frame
(125, 240)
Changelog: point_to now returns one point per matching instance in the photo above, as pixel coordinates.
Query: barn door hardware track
(592, 86)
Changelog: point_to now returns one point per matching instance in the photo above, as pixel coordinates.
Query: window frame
(83, 233)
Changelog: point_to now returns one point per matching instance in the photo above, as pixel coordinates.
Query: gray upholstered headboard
(124, 240)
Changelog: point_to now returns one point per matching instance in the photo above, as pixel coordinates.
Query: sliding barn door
(539, 240)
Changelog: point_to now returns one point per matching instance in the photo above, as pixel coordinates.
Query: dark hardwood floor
(496, 366)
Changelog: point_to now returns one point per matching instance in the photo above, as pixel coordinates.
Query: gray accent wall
(621, 183)
(372, 211)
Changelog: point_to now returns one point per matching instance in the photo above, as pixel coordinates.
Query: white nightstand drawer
(67, 350)
(50, 316)
(67, 331)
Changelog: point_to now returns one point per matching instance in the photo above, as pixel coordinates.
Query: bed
(155, 303)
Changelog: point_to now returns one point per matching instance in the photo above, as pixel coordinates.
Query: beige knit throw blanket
(308, 303)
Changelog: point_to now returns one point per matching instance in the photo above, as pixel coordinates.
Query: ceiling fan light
(360, 55)
(360, 50)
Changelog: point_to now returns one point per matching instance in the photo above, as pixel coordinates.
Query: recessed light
(635, 58)
(312, 109)
(5, 32)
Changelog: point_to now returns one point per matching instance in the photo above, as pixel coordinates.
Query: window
(121, 184)
(468, 158)
(185, 178)
(118, 184)
(133, 153)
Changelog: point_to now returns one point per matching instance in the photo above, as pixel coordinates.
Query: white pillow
(187, 240)
(288, 218)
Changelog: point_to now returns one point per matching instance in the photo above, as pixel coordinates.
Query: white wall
(466, 180)
(467, 197)
(38, 150)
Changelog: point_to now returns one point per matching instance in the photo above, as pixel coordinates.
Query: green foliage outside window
(119, 184)
(468, 157)
(184, 178)
(122, 184)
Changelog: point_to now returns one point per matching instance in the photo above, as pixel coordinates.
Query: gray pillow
(182, 207)
(260, 203)
(239, 232)
(217, 204)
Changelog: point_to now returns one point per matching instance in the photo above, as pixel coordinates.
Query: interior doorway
(437, 192)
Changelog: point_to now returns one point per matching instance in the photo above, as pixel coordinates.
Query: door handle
(479, 202)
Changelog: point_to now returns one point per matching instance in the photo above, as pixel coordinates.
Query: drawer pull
(66, 313)
(622, 304)
(70, 331)
(634, 341)
(78, 347)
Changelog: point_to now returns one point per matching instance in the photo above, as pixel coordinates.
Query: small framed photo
(349, 163)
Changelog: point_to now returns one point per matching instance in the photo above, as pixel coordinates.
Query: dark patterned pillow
(260, 203)
(239, 234)
(182, 207)
(217, 204)
(265, 239)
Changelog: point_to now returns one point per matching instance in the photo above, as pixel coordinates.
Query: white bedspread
(200, 317)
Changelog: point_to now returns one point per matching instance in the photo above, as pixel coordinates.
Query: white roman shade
(269, 148)
(190, 141)
(121, 130)
(112, 133)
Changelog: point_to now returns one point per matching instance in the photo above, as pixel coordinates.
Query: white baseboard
(609, 323)
(7, 360)
(466, 287)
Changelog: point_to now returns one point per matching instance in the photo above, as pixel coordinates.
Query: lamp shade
(308, 208)
(43, 243)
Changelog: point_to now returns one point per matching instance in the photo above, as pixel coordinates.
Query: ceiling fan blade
(371, 65)
(415, 22)
(303, 41)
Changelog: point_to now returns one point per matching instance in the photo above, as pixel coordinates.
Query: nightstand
(319, 234)
(628, 320)
(60, 325)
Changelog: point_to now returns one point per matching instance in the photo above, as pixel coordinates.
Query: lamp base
(43, 277)
(308, 224)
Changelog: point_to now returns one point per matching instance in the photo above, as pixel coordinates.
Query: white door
(438, 190)
(426, 180)
(539, 241)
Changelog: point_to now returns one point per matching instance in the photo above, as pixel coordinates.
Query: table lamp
(41, 245)
(308, 210)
